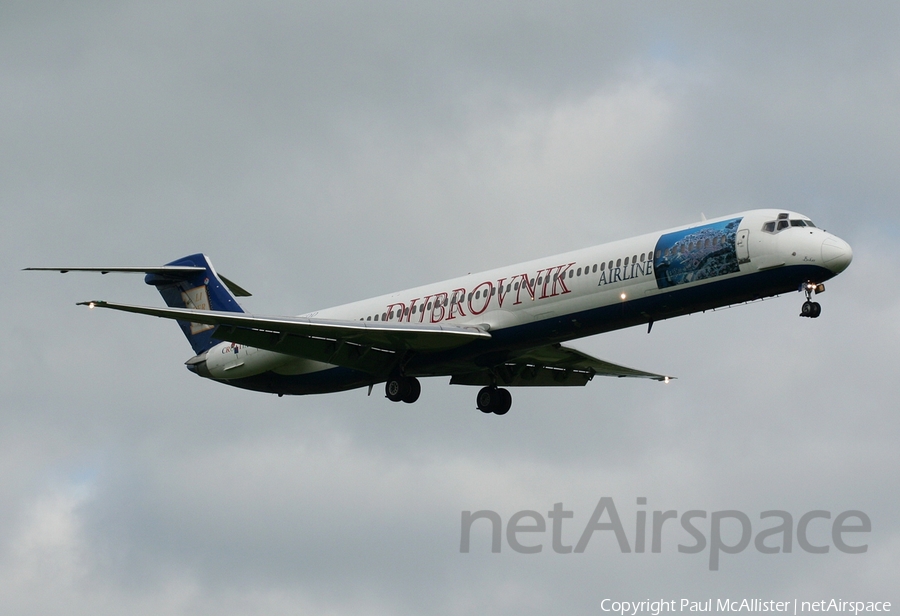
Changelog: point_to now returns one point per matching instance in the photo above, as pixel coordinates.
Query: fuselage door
(741, 245)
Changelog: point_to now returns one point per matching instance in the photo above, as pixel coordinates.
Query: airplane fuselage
(714, 263)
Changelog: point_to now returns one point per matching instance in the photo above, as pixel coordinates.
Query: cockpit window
(774, 226)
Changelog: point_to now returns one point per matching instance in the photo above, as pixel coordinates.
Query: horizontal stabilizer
(176, 271)
(169, 272)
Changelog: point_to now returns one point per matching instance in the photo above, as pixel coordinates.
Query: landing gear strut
(810, 308)
(402, 389)
(494, 400)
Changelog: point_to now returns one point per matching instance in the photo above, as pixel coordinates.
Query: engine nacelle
(229, 360)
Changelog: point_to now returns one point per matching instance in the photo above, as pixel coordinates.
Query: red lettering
(439, 299)
(390, 310)
(527, 285)
(560, 277)
(412, 305)
(424, 307)
(501, 292)
(456, 304)
(546, 280)
(487, 297)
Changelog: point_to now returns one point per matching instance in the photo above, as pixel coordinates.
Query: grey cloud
(324, 153)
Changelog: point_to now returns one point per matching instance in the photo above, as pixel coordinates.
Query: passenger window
(618, 262)
(595, 268)
(603, 266)
(571, 273)
(626, 261)
(634, 259)
(578, 273)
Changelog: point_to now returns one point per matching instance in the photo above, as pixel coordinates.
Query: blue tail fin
(200, 290)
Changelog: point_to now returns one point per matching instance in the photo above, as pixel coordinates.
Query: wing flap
(329, 351)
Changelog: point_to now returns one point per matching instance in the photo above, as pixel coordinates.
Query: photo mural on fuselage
(696, 253)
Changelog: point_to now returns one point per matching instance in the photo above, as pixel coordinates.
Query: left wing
(362, 345)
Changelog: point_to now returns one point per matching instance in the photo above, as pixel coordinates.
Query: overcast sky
(321, 153)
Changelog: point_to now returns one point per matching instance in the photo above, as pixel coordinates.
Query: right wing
(551, 365)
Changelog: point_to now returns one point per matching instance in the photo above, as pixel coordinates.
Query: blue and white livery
(501, 328)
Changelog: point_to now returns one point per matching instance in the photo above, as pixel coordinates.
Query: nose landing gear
(810, 308)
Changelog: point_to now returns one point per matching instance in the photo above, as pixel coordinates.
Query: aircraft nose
(836, 254)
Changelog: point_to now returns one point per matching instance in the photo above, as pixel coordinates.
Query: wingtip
(92, 303)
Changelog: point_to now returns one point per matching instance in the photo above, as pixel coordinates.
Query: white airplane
(500, 327)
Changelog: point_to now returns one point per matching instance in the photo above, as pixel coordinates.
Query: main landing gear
(402, 389)
(810, 308)
(407, 389)
(494, 400)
